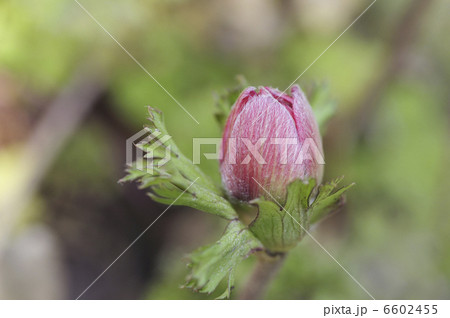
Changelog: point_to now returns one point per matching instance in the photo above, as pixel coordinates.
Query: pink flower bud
(270, 138)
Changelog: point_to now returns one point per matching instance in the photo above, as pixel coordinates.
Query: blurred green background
(70, 97)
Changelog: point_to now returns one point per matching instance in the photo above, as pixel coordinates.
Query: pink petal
(263, 116)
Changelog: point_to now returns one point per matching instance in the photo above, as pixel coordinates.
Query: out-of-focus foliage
(393, 234)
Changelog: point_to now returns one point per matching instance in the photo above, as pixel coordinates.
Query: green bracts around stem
(279, 227)
(212, 263)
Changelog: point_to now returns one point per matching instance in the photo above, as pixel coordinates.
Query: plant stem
(265, 270)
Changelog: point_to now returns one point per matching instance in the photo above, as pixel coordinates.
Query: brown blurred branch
(58, 122)
(265, 270)
(399, 47)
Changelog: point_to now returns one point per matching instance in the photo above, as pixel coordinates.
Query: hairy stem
(265, 270)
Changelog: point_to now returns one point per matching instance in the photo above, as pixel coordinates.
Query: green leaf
(322, 104)
(176, 181)
(225, 101)
(280, 228)
(326, 201)
(213, 263)
(268, 225)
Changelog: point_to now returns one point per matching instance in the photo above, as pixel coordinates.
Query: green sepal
(279, 227)
(226, 100)
(323, 106)
(213, 263)
(327, 200)
(178, 181)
